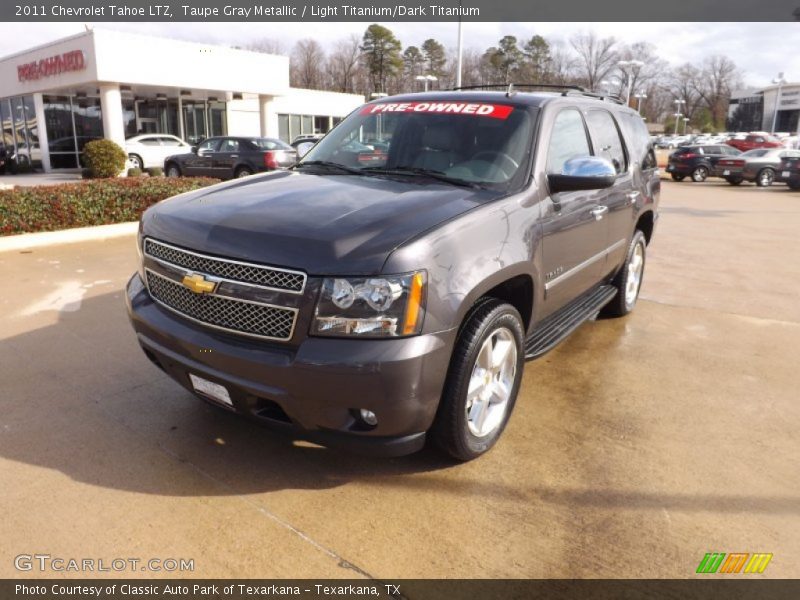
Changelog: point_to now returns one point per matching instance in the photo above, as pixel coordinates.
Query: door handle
(632, 196)
(234, 156)
(598, 212)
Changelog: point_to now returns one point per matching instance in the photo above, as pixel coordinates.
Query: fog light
(369, 417)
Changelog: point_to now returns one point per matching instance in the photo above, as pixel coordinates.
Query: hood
(322, 224)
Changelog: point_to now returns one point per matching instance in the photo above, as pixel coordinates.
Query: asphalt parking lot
(636, 446)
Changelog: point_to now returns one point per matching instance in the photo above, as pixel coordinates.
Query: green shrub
(135, 172)
(86, 203)
(104, 158)
(155, 172)
(86, 174)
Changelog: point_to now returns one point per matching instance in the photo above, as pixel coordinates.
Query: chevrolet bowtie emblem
(199, 284)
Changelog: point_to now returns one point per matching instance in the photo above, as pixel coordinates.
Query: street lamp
(677, 102)
(640, 96)
(677, 118)
(627, 67)
(685, 123)
(427, 79)
(780, 82)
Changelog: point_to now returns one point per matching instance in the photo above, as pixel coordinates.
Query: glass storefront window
(71, 122)
(283, 128)
(291, 126)
(29, 110)
(19, 133)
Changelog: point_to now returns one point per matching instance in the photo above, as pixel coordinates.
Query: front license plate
(785, 174)
(726, 172)
(213, 390)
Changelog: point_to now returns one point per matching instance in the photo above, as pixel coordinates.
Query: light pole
(677, 102)
(685, 123)
(627, 67)
(780, 82)
(459, 51)
(427, 79)
(640, 96)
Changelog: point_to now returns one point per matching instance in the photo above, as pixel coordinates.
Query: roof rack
(565, 89)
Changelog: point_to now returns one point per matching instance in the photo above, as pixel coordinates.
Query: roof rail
(565, 89)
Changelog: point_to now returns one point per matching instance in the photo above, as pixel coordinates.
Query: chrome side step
(559, 325)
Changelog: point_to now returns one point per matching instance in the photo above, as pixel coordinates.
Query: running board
(559, 325)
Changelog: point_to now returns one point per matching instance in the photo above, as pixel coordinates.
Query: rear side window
(149, 141)
(608, 142)
(229, 145)
(640, 145)
(568, 140)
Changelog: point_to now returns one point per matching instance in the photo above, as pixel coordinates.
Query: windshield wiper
(420, 172)
(327, 164)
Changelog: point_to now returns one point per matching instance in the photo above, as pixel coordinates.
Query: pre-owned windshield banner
(391, 10)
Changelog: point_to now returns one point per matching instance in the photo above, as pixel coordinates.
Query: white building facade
(105, 84)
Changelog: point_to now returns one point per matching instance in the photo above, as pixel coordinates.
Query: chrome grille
(269, 277)
(238, 316)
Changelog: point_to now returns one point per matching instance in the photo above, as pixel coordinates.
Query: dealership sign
(53, 65)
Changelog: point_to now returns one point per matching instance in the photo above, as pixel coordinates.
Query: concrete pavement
(636, 446)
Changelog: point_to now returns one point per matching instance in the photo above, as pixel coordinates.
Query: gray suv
(388, 289)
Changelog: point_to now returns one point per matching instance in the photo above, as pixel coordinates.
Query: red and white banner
(475, 109)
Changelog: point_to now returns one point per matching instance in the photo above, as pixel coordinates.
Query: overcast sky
(761, 50)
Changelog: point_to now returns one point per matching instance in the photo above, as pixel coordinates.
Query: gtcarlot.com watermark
(45, 563)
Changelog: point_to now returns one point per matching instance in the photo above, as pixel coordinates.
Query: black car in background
(228, 157)
(698, 162)
(789, 172)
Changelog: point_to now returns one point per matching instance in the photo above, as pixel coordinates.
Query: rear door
(609, 143)
(227, 158)
(574, 230)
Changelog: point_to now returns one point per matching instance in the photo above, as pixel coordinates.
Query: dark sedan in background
(229, 157)
(759, 166)
(699, 162)
(789, 172)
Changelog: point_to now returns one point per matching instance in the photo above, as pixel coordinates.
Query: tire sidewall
(700, 174)
(638, 238)
(761, 174)
(500, 316)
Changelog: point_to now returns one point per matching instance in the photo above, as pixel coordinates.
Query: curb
(67, 236)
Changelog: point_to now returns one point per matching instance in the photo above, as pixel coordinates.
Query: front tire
(700, 174)
(765, 177)
(173, 170)
(629, 279)
(482, 382)
(137, 161)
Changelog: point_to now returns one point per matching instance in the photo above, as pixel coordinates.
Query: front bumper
(313, 390)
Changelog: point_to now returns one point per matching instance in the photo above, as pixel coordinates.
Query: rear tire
(137, 161)
(482, 382)
(765, 177)
(629, 279)
(242, 172)
(677, 177)
(173, 170)
(700, 174)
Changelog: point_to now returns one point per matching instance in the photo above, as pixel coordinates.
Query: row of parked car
(223, 157)
(740, 141)
(762, 166)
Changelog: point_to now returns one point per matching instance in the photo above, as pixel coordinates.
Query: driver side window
(568, 140)
(207, 146)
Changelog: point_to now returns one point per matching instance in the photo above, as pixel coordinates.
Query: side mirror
(194, 149)
(583, 173)
(303, 148)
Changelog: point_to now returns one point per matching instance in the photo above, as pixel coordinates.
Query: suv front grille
(262, 276)
(238, 316)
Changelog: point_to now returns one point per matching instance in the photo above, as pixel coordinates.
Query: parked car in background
(759, 166)
(789, 172)
(149, 150)
(698, 162)
(304, 143)
(229, 157)
(792, 142)
(666, 142)
(754, 140)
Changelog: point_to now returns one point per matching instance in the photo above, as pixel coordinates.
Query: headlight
(386, 306)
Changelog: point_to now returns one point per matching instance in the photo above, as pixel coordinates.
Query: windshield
(479, 143)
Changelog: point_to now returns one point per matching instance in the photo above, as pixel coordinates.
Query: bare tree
(719, 76)
(597, 57)
(306, 63)
(344, 63)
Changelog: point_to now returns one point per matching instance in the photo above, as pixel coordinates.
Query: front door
(200, 164)
(574, 229)
(226, 158)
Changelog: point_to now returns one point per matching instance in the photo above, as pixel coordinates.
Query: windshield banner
(476, 109)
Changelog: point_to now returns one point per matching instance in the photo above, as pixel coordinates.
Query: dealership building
(106, 84)
(757, 110)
